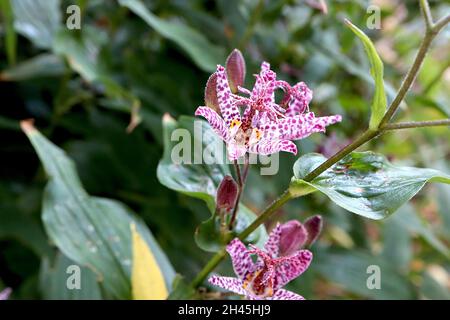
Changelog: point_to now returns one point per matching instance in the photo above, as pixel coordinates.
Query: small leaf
(379, 102)
(205, 54)
(147, 281)
(364, 183)
(43, 65)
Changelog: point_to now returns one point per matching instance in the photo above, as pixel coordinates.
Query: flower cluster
(276, 265)
(264, 127)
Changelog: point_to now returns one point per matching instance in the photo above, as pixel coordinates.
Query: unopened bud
(235, 67)
(227, 194)
(293, 237)
(314, 227)
(211, 100)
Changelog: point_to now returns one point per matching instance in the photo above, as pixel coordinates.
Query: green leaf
(201, 51)
(379, 100)
(350, 270)
(38, 20)
(94, 232)
(10, 33)
(194, 140)
(147, 279)
(365, 183)
(54, 277)
(43, 65)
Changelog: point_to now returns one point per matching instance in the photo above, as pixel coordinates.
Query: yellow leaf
(147, 281)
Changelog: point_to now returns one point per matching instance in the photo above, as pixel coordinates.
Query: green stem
(416, 124)
(217, 258)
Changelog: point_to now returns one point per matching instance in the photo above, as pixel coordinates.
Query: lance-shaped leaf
(379, 99)
(365, 183)
(194, 163)
(200, 50)
(93, 232)
(147, 279)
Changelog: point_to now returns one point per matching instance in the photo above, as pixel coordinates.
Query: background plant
(86, 87)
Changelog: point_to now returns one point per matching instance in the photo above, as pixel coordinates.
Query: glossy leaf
(94, 232)
(194, 163)
(365, 183)
(379, 100)
(44, 65)
(200, 50)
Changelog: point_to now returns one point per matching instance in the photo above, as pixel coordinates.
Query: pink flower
(264, 278)
(264, 127)
(4, 295)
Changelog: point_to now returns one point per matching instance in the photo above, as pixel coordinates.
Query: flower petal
(272, 244)
(235, 150)
(228, 108)
(240, 257)
(215, 121)
(267, 146)
(282, 294)
(228, 283)
(298, 127)
(301, 95)
(292, 267)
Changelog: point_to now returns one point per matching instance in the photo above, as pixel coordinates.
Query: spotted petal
(227, 105)
(273, 242)
(267, 146)
(215, 121)
(240, 257)
(298, 127)
(282, 294)
(301, 95)
(235, 150)
(292, 267)
(228, 283)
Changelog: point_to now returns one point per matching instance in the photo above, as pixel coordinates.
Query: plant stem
(416, 124)
(217, 258)
(242, 177)
(366, 136)
(426, 14)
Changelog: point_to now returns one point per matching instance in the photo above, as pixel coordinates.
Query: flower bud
(211, 100)
(227, 194)
(235, 67)
(313, 226)
(293, 237)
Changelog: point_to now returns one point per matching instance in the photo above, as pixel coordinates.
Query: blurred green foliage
(100, 93)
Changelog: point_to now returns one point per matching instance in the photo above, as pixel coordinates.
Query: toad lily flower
(264, 127)
(264, 278)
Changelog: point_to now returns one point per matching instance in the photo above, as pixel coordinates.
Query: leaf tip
(27, 126)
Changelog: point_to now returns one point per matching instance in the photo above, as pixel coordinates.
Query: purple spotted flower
(264, 278)
(4, 295)
(264, 127)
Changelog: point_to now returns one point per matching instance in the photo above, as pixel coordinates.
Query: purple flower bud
(211, 100)
(293, 237)
(227, 194)
(235, 67)
(314, 227)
